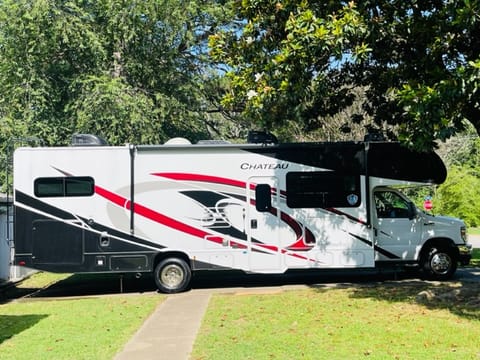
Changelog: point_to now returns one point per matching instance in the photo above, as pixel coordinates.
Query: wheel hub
(172, 276)
(441, 263)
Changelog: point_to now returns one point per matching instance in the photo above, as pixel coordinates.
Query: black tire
(440, 263)
(172, 275)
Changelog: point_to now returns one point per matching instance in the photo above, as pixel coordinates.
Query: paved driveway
(474, 240)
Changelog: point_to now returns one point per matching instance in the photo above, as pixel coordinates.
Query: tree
(462, 150)
(459, 195)
(300, 61)
(284, 61)
(424, 68)
(131, 71)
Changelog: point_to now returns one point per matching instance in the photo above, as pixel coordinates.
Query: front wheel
(440, 263)
(172, 275)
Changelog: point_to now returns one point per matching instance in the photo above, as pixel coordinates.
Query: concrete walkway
(169, 333)
(474, 240)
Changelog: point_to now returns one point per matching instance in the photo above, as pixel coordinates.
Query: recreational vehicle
(260, 207)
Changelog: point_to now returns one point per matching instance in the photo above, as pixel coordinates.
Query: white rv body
(213, 207)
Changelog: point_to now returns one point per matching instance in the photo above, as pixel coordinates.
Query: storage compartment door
(58, 243)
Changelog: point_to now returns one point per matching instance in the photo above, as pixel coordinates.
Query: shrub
(459, 195)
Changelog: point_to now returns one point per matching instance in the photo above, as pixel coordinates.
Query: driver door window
(390, 205)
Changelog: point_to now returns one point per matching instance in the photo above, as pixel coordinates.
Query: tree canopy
(146, 71)
(415, 65)
(131, 71)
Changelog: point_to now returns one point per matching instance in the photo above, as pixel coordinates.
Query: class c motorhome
(262, 208)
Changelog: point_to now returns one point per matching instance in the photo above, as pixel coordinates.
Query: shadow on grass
(233, 279)
(97, 284)
(11, 325)
(365, 282)
(459, 297)
(81, 285)
(105, 284)
(12, 292)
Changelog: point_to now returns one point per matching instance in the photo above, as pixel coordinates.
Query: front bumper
(464, 253)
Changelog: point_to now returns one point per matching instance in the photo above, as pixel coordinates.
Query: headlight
(463, 233)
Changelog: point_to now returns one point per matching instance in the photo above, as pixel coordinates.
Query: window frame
(323, 189)
(390, 204)
(63, 186)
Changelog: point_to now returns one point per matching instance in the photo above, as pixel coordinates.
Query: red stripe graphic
(180, 226)
(302, 241)
(160, 218)
(205, 178)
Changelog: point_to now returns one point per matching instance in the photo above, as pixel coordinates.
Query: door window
(391, 205)
(263, 197)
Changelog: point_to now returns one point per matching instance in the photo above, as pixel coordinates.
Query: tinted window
(64, 186)
(322, 190)
(49, 187)
(263, 197)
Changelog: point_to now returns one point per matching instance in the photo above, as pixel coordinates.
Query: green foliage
(459, 195)
(462, 150)
(132, 71)
(280, 60)
(423, 68)
(301, 61)
(109, 107)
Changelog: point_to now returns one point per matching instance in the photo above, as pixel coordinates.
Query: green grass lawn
(412, 320)
(387, 321)
(474, 231)
(381, 322)
(475, 258)
(86, 328)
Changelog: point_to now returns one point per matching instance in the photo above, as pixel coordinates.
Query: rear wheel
(440, 263)
(172, 275)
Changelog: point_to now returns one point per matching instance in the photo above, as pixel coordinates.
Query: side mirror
(412, 211)
(263, 197)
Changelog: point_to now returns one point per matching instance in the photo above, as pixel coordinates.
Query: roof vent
(178, 141)
(88, 140)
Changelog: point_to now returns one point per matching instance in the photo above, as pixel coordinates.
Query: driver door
(397, 229)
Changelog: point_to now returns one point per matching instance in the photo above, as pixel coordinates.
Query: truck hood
(444, 220)
(445, 226)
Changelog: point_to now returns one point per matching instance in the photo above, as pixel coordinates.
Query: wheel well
(171, 254)
(443, 243)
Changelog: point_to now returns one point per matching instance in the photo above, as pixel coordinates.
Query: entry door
(397, 231)
(263, 222)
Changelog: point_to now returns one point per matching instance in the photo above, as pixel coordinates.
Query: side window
(391, 205)
(50, 187)
(64, 186)
(263, 197)
(322, 190)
